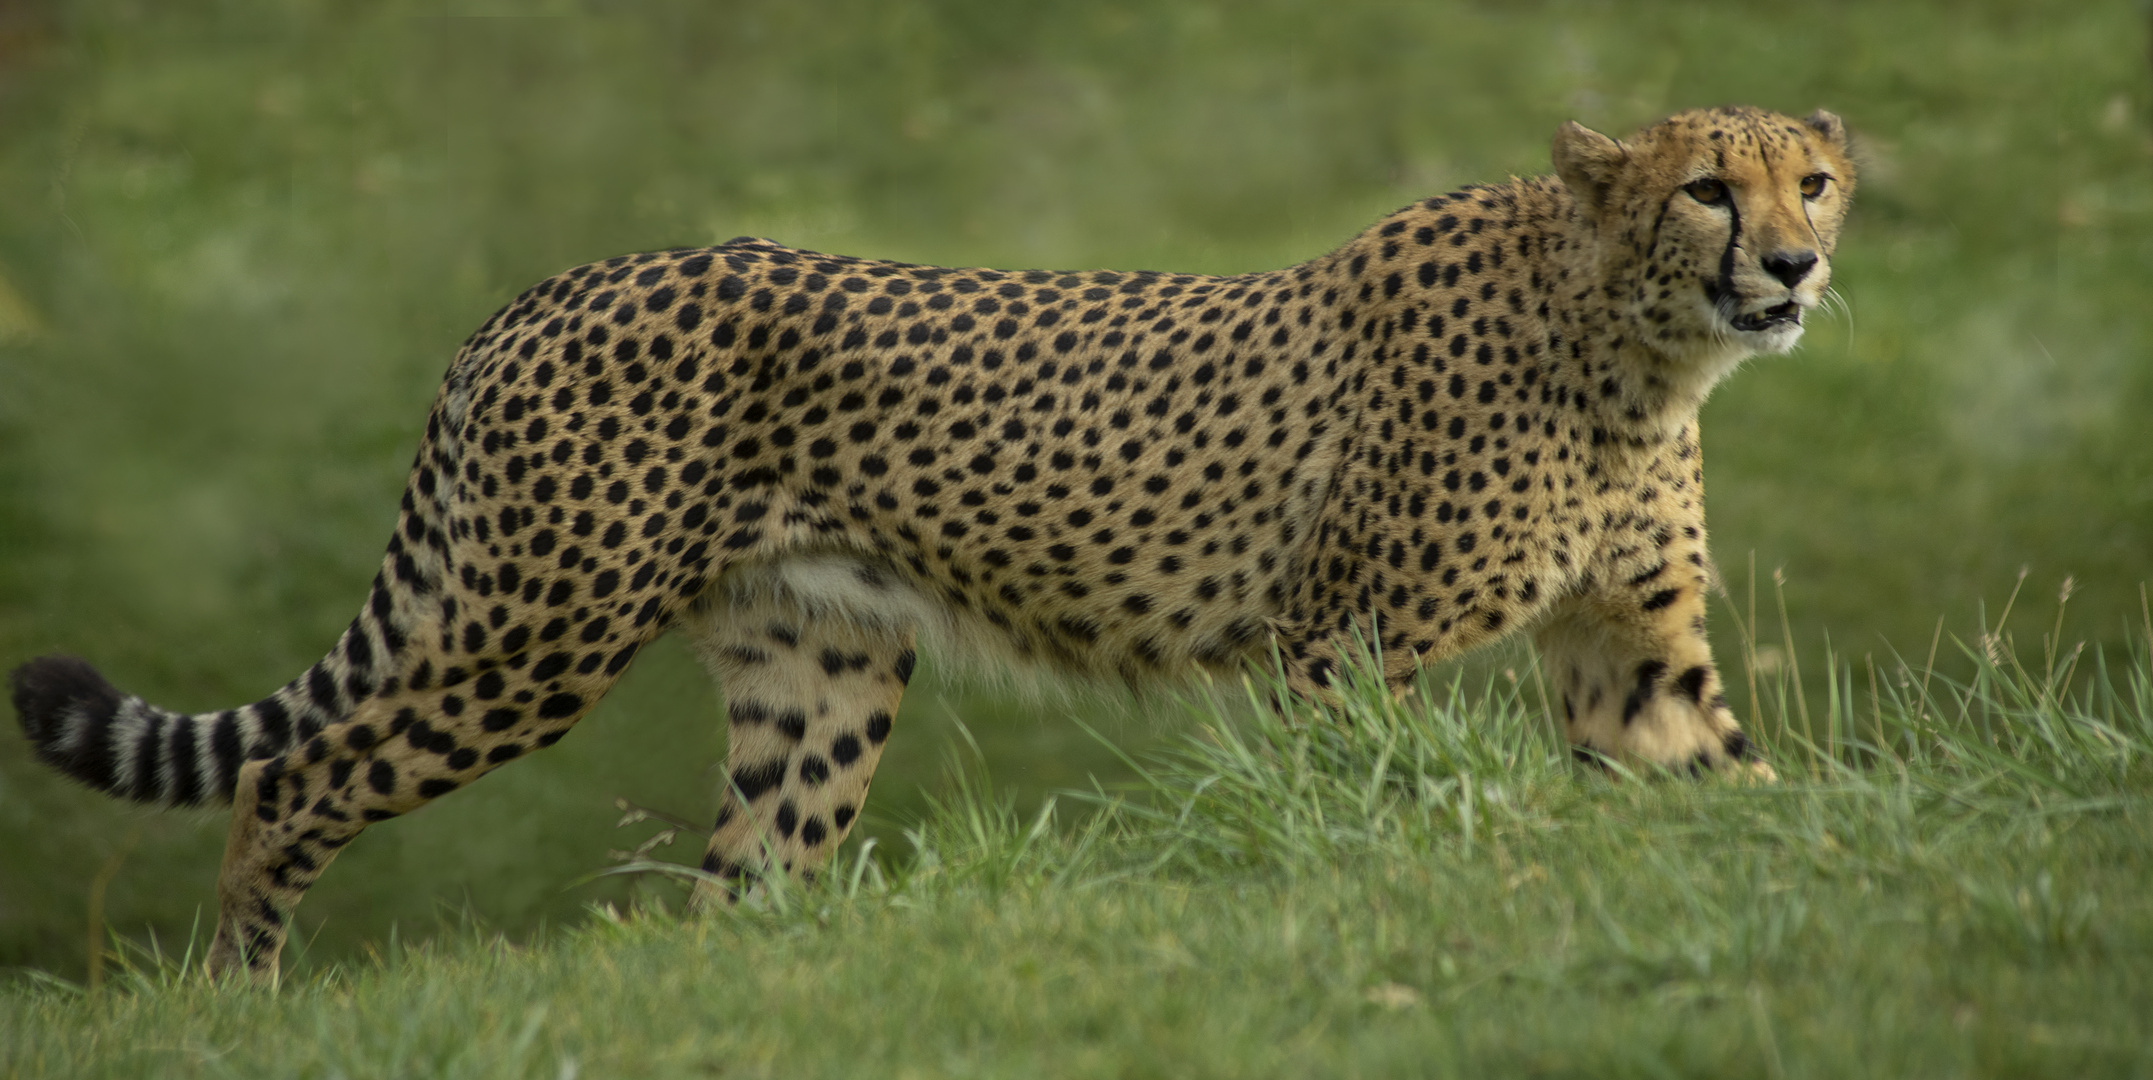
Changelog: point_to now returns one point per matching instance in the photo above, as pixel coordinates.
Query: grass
(1426, 886)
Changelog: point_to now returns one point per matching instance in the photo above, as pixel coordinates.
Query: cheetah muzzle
(1477, 416)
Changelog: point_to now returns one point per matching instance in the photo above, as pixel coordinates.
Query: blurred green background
(239, 243)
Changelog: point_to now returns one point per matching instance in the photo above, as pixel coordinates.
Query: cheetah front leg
(1635, 681)
(811, 699)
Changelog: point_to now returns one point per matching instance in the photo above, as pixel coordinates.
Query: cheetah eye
(1707, 191)
(1813, 185)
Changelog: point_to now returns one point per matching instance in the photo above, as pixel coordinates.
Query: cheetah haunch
(1478, 415)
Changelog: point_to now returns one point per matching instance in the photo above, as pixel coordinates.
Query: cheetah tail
(82, 725)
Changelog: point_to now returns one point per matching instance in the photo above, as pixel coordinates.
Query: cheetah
(1478, 415)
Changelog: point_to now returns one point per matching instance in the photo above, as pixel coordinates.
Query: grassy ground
(241, 240)
(1951, 887)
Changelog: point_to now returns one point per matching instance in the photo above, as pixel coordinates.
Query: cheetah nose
(1790, 267)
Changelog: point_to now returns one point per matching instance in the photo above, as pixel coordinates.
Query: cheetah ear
(1588, 163)
(1828, 125)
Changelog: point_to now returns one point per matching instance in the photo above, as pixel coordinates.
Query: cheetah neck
(1636, 385)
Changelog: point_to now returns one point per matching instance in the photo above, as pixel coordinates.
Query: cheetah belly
(864, 590)
(845, 587)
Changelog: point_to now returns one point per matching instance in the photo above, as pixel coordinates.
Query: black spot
(792, 723)
(1691, 683)
(321, 686)
(1648, 676)
(755, 780)
(1319, 672)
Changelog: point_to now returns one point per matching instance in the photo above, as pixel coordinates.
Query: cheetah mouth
(1778, 315)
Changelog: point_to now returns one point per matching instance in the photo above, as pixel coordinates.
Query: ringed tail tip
(57, 696)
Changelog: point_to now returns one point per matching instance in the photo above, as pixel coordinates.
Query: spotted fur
(1477, 416)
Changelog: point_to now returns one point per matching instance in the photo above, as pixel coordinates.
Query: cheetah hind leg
(396, 752)
(810, 698)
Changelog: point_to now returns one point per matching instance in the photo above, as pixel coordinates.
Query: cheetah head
(1713, 229)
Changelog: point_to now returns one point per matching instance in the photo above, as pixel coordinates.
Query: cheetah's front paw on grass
(1752, 772)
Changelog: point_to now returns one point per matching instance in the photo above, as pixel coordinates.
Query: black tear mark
(1723, 287)
(1736, 745)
